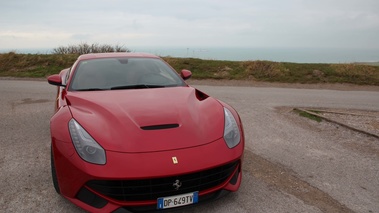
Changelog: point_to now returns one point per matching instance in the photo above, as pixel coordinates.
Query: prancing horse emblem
(177, 184)
(175, 160)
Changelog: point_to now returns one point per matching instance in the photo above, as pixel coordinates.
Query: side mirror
(185, 74)
(55, 80)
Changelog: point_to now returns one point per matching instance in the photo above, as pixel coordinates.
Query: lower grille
(151, 189)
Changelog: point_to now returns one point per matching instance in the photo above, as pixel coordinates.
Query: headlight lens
(231, 131)
(87, 148)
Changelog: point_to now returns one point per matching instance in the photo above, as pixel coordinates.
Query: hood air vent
(200, 95)
(162, 126)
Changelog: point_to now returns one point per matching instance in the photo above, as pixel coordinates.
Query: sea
(296, 55)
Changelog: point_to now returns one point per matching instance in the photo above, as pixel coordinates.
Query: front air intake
(153, 188)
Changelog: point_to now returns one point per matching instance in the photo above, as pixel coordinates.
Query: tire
(54, 173)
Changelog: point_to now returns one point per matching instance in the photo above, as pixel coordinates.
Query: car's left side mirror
(185, 74)
(55, 80)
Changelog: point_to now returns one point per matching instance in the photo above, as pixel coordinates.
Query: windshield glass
(123, 73)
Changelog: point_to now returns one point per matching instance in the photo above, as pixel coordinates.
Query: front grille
(151, 189)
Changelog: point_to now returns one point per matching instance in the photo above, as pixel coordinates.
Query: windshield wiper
(91, 89)
(137, 86)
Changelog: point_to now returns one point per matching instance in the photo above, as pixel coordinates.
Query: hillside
(43, 65)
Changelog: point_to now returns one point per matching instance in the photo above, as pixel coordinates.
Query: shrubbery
(85, 48)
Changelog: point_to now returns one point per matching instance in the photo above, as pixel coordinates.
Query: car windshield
(123, 73)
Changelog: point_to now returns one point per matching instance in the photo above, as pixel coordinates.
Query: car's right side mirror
(185, 74)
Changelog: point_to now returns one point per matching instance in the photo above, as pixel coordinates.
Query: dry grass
(42, 65)
(264, 69)
(33, 65)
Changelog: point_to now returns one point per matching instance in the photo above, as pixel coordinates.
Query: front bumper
(75, 175)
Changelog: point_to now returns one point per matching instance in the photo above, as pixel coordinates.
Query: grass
(33, 65)
(42, 65)
(309, 116)
(279, 71)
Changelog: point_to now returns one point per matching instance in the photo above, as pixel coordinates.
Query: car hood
(147, 120)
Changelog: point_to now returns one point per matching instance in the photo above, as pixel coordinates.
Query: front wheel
(54, 173)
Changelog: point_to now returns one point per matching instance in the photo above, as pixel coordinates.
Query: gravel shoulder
(363, 121)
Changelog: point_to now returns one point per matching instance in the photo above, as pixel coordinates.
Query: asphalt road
(292, 164)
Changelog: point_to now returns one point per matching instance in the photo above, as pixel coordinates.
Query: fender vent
(162, 126)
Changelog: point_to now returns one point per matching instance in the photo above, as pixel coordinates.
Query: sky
(190, 23)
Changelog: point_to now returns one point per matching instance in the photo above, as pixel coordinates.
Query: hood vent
(200, 95)
(158, 127)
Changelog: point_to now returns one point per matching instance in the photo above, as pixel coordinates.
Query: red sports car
(129, 134)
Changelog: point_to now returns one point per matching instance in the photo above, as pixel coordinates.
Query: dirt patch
(361, 121)
(277, 176)
(367, 121)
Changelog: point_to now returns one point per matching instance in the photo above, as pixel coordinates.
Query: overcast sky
(190, 23)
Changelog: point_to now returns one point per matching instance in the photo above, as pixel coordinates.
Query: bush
(85, 48)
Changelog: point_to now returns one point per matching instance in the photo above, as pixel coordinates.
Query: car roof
(116, 55)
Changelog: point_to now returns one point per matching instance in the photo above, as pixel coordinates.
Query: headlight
(87, 148)
(231, 131)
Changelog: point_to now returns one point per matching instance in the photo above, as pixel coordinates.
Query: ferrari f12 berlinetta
(128, 134)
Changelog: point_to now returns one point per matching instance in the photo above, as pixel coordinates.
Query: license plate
(177, 200)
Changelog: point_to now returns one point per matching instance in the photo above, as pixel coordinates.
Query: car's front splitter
(110, 206)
